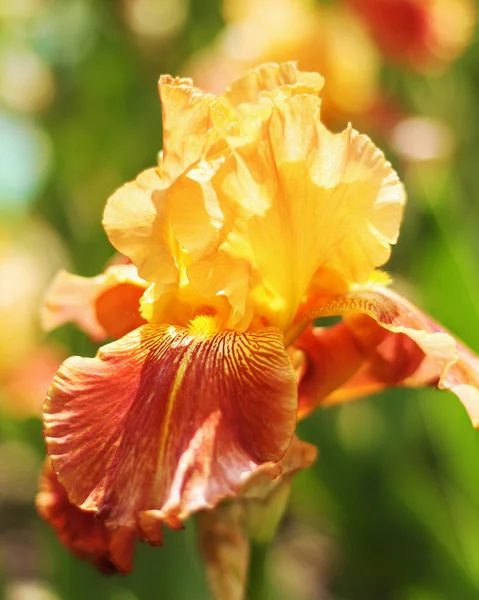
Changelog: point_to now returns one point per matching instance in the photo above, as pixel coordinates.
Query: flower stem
(257, 588)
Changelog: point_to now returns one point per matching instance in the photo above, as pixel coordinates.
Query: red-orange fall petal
(167, 421)
(383, 341)
(81, 532)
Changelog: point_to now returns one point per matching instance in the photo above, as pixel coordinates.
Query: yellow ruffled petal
(148, 219)
(293, 200)
(136, 224)
(286, 77)
(255, 202)
(195, 123)
(192, 122)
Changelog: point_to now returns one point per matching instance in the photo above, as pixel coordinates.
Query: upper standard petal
(195, 123)
(255, 200)
(297, 204)
(137, 226)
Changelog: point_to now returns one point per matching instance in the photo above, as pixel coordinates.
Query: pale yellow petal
(271, 76)
(136, 223)
(192, 123)
(255, 201)
(296, 200)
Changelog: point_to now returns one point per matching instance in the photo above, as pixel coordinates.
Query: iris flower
(256, 221)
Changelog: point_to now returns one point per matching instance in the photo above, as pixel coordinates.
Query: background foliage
(391, 508)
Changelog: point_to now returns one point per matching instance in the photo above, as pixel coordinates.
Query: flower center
(204, 326)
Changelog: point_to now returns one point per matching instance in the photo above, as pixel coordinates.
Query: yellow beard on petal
(204, 326)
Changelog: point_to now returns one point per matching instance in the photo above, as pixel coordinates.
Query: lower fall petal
(84, 535)
(383, 341)
(168, 420)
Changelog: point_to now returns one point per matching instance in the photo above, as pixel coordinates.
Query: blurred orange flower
(256, 221)
(29, 256)
(423, 33)
(329, 39)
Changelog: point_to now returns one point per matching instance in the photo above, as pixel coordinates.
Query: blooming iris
(256, 221)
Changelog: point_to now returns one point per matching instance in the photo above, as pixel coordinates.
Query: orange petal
(339, 365)
(331, 358)
(83, 534)
(160, 228)
(103, 306)
(242, 178)
(135, 217)
(169, 420)
(383, 341)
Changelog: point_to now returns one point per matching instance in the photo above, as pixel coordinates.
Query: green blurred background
(391, 508)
